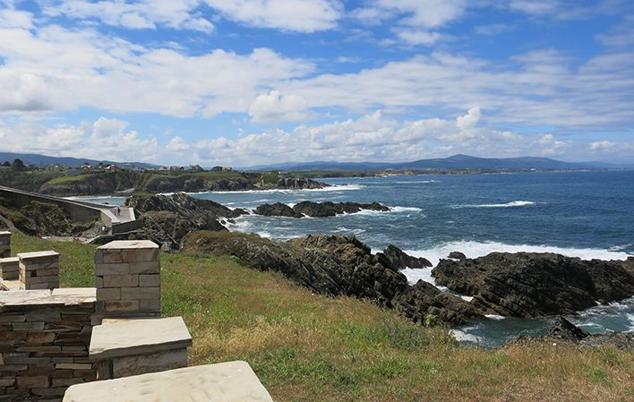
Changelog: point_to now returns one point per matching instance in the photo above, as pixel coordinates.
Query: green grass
(68, 179)
(306, 347)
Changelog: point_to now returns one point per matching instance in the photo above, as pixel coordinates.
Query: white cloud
(291, 15)
(275, 107)
(602, 146)
(142, 14)
(11, 18)
(177, 144)
(58, 69)
(550, 146)
(417, 37)
(425, 13)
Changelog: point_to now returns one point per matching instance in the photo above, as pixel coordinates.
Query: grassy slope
(309, 347)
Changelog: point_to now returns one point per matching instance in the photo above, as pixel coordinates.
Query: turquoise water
(584, 214)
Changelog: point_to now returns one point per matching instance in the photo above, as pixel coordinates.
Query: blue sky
(246, 82)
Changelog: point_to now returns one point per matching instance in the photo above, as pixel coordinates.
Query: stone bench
(226, 382)
(125, 347)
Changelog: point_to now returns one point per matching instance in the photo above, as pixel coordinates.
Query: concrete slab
(128, 244)
(224, 382)
(46, 297)
(116, 338)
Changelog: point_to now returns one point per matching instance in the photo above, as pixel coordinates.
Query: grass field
(306, 347)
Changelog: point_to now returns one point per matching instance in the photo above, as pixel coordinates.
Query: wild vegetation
(307, 347)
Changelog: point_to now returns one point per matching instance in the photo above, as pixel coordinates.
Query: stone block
(151, 280)
(111, 269)
(40, 381)
(119, 306)
(5, 244)
(109, 294)
(39, 270)
(120, 281)
(140, 364)
(140, 293)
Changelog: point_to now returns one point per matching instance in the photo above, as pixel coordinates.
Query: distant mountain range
(452, 162)
(43, 161)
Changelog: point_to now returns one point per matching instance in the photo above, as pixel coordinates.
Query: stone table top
(4, 233)
(223, 382)
(38, 254)
(125, 337)
(128, 244)
(9, 285)
(9, 259)
(46, 297)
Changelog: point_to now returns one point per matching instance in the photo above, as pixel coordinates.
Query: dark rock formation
(397, 259)
(168, 218)
(536, 284)
(277, 209)
(335, 266)
(457, 255)
(317, 209)
(564, 329)
(40, 218)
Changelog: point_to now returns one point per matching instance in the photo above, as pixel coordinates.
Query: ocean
(580, 214)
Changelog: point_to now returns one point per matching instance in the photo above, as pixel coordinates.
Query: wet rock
(564, 329)
(397, 259)
(531, 285)
(457, 255)
(277, 209)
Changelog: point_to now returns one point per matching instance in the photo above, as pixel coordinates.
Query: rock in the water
(277, 209)
(564, 329)
(536, 284)
(457, 255)
(398, 259)
(335, 265)
(326, 209)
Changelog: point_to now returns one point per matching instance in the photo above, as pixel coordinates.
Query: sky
(252, 82)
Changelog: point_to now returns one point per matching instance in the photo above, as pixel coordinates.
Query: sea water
(581, 214)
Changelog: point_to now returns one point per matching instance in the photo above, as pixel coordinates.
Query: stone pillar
(39, 270)
(128, 279)
(10, 268)
(5, 244)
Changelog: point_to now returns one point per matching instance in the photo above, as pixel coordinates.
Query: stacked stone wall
(44, 342)
(39, 270)
(128, 279)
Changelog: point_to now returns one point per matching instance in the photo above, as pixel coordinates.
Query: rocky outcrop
(168, 218)
(563, 330)
(536, 284)
(397, 259)
(336, 266)
(457, 255)
(40, 218)
(277, 209)
(317, 209)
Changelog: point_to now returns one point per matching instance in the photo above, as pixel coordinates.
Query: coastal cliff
(128, 181)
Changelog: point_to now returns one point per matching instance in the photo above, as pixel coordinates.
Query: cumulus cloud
(103, 139)
(177, 144)
(602, 145)
(141, 14)
(275, 107)
(292, 15)
(59, 69)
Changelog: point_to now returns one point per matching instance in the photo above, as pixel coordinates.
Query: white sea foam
(630, 318)
(473, 249)
(418, 182)
(512, 204)
(467, 298)
(342, 187)
(494, 317)
(462, 336)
